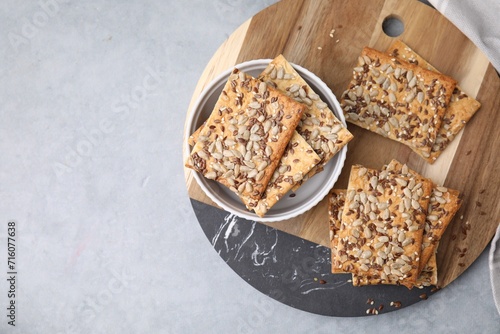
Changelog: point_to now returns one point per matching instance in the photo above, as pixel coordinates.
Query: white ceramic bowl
(310, 193)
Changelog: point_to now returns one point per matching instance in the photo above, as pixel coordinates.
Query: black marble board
(294, 271)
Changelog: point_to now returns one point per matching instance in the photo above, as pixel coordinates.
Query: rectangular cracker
(336, 200)
(460, 110)
(397, 100)
(297, 161)
(319, 126)
(380, 236)
(245, 136)
(194, 136)
(428, 276)
(443, 204)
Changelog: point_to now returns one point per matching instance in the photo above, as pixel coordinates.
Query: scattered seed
(396, 304)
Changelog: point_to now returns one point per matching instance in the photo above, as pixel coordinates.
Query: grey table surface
(93, 98)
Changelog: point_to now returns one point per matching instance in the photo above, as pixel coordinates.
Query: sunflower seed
(366, 254)
(409, 75)
(352, 116)
(386, 214)
(397, 73)
(440, 200)
(252, 173)
(406, 268)
(352, 96)
(396, 272)
(420, 97)
(302, 92)
(383, 239)
(254, 105)
(227, 153)
(203, 155)
(382, 205)
(255, 137)
(415, 204)
(321, 105)
(350, 195)
(392, 97)
(410, 97)
(394, 87)
(412, 82)
(432, 218)
(262, 87)
(307, 101)
(437, 193)
(211, 175)
(362, 171)
(269, 151)
(280, 73)
(355, 233)
(442, 189)
(406, 242)
(401, 182)
(262, 166)
(380, 80)
(357, 222)
(354, 205)
(397, 249)
(394, 122)
(294, 88)
(313, 96)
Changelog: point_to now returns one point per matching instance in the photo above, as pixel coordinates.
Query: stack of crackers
(386, 226)
(399, 95)
(266, 135)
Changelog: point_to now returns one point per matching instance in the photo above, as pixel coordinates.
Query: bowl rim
(318, 197)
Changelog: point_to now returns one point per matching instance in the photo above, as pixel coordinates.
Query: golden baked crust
(319, 126)
(429, 275)
(245, 136)
(194, 136)
(461, 108)
(336, 201)
(380, 236)
(297, 161)
(443, 204)
(398, 100)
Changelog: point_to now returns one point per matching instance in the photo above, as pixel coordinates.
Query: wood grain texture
(300, 30)
(476, 169)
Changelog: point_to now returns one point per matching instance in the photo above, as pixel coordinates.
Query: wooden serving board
(300, 30)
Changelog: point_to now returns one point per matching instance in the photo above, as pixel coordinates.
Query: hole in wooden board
(393, 26)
